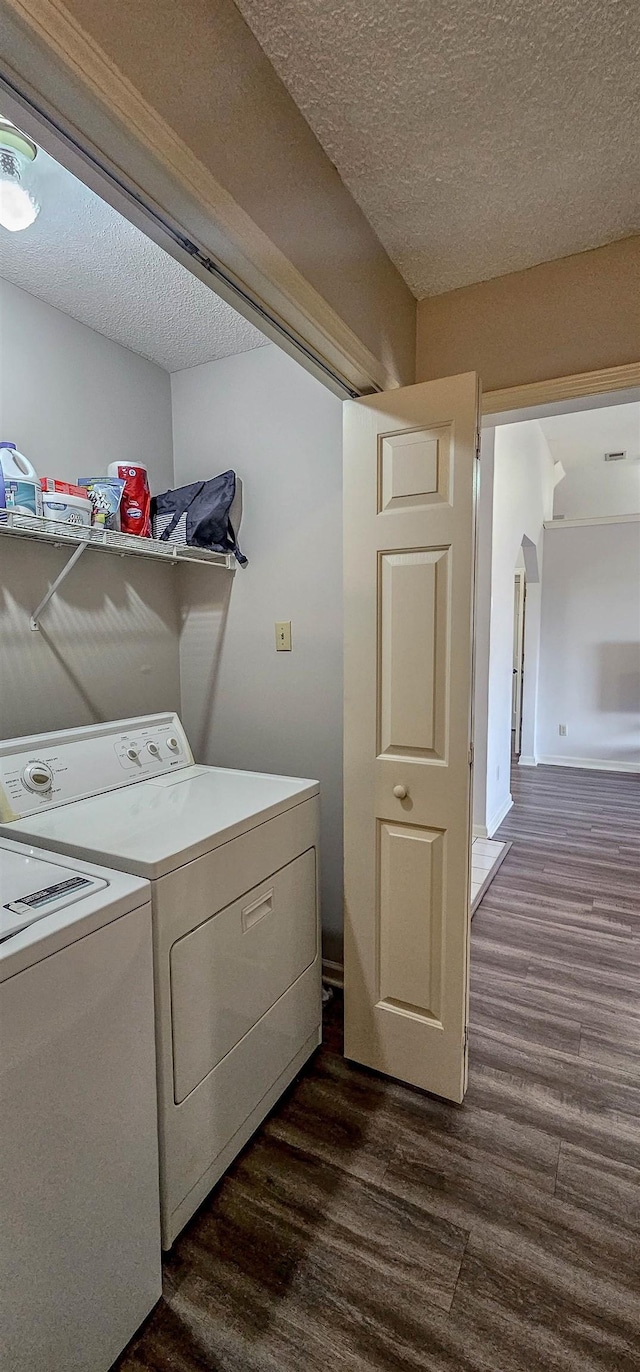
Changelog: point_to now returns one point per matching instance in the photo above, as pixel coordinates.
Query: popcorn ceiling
(477, 138)
(81, 256)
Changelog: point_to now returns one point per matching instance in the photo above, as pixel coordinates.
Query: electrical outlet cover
(283, 636)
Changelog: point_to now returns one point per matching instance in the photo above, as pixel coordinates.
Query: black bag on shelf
(199, 515)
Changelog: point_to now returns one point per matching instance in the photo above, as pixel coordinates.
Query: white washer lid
(32, 887)
(109, 896)
(154, 826)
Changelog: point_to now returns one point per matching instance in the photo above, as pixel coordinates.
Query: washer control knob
(133, 753)
(173, 744)
(38, 777)
(153, 749)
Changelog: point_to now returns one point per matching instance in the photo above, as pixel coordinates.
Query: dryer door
(229, 971)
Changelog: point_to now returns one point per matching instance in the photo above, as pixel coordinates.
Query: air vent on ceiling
(615, 457)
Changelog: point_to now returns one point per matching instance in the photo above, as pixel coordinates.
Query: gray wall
(590, 646)
(123, 636)
(243, 704)
(74, 401)
(518, 474)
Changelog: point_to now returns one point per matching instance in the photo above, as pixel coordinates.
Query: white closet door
(410, 496)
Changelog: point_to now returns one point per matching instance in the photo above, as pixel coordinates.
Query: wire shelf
(106, 540)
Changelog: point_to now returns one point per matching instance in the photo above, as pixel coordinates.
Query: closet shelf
(79, 537)
(106, 541)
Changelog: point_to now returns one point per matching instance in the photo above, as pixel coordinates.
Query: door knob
(400, 792)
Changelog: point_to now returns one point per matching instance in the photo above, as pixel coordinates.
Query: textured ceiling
(584, 438)
(478, 139)
(83, 257)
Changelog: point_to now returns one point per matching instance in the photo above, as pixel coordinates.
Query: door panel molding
(413, 669)
(410, 952)
(414, 468)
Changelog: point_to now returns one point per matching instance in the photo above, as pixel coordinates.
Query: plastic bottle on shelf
(15, 466)
(21, 489)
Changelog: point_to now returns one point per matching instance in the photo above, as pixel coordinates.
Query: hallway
(369, 1226)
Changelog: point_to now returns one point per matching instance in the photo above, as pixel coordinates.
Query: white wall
(522, 500)
(125, 637)
(244, 705)
(482, 629)
(590, 646)
(72, 401)
(579, 440)
(598, 488)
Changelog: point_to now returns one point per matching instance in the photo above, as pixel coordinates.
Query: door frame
(568, 394)
(520, 595)
(580, 385)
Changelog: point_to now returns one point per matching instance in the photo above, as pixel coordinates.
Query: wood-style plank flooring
(369, 1226)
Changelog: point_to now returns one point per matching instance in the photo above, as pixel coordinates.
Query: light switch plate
(283, 636)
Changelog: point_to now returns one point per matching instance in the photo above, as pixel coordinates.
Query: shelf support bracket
(34, 622)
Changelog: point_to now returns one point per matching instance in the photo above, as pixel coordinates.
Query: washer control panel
(54, 769)
(149, 750)
(38, 777)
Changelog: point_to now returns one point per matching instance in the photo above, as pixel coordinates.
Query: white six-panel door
(410, 484)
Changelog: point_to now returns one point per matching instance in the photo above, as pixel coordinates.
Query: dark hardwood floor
(369, 1226)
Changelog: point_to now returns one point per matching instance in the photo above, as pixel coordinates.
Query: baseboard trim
(524, 761)
(480, 831)
(333, 974)
(592, 764)
(496, 820)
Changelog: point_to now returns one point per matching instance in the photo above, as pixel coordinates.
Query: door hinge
(471, 755)
(465, 1041)
(478, 443)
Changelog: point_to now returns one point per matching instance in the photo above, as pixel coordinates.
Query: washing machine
(232, 858)
(80, 1214)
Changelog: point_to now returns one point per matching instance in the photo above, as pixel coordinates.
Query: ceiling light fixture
(18, 206)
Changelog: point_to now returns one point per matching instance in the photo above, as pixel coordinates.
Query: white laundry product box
(66, 509)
